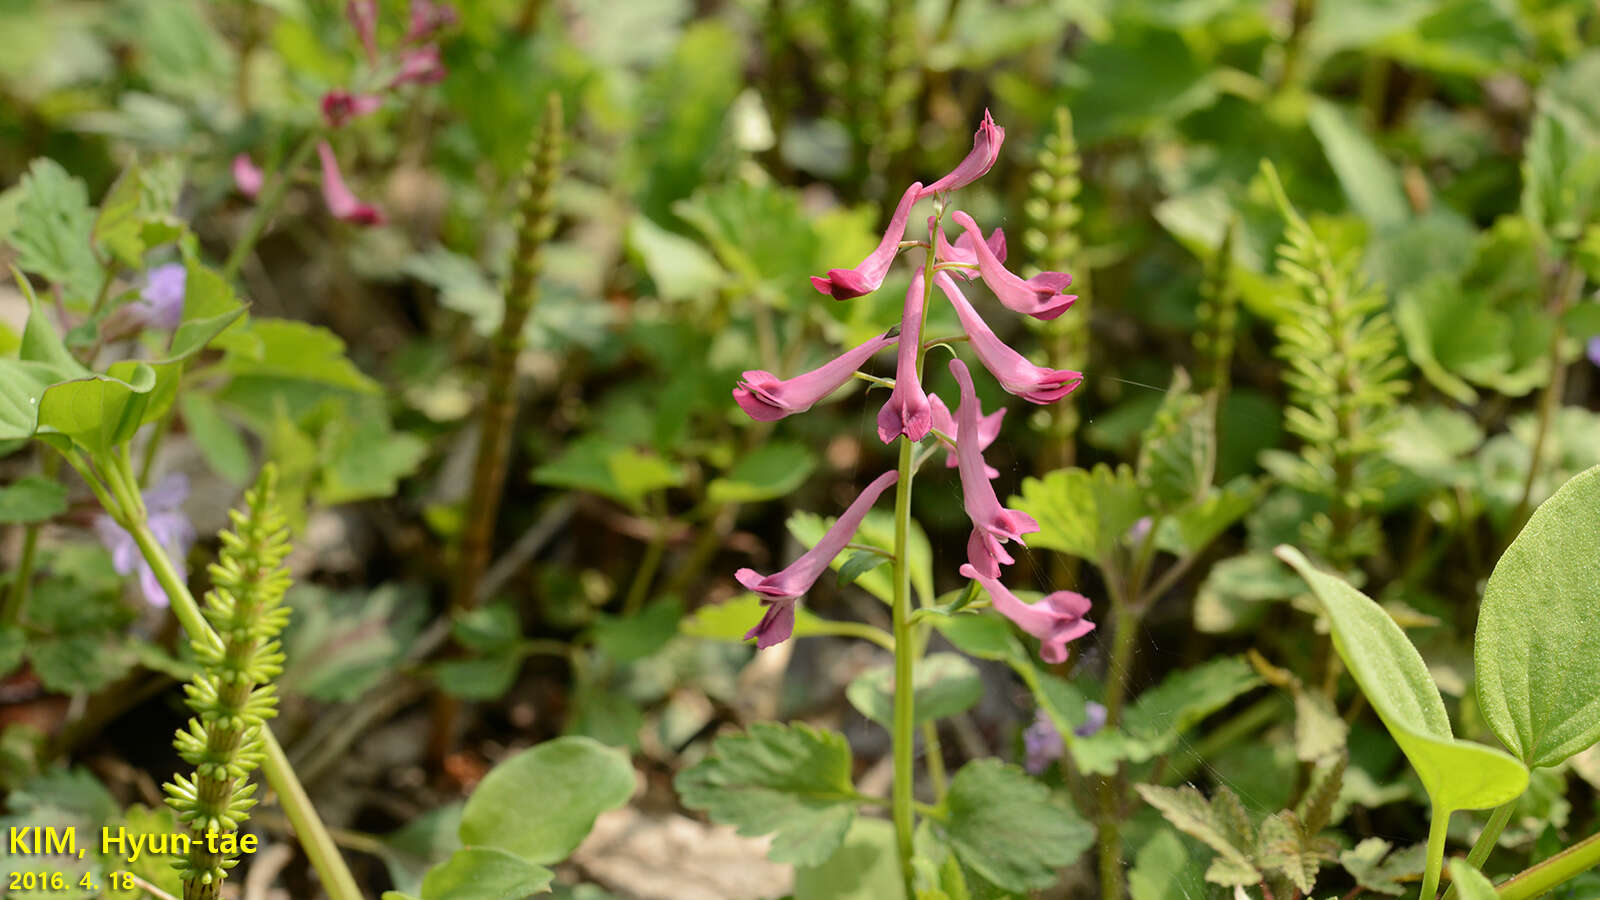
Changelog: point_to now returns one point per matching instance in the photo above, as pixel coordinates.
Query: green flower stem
(1564, 866)
(1125, 616)
(1437, 830)
(17, 597)
(271, 198)
(313, 834)
(930, 744)
(904, 663)
(1569, 283)
(1486, 840)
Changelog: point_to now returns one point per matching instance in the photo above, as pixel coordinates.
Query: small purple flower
(1042, 743)
(1094, 719)
(985, 150)
(867, 276)
(780, 590)
(340, 106)
(341, 201)
(765, 398)
(988, 430)
(1594, 350)
(992, 524)
(1057, 620)
(1040, 296)
(1035, 384)
(1138, 531)
(247, 175)
(160, 303)
(164, 515)
(907, 410)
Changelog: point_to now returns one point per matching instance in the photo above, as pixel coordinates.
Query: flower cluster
(911, 412)
(165, 516)
(415, 61)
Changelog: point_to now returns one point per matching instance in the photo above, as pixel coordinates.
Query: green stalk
(1486, 840)
(1436, 835)
(1570, 282)
(904, 663)
(271, 198)
(17, 598)
(313, 834)
(1564, 866)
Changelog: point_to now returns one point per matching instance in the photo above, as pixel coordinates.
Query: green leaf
(1470, 883)
(32, 498)
(1390, 672)
(858, 564)
(1537, 651)
(1186, 697)
(945, 684)
(480, 678)
(1009, 829)
(429, 838)
(541, 803)
(791, 781)
(1220, 824)
(209, 308)
(54, 220)
(13, 641)
(341, 644)
(1193, 527)
(680, 268)
(1368, 179)
(865, 867)
(218, 440)
(1082, 513)
(596, 464)
(629, 638)
(99, 412)
(365, 457)
(1289, 847)
(290, 351)
(485, 873)
(1178, 450)
(1162, 870)
(774, 470)
(1376, 869)
(1236, 592)
(77, 663)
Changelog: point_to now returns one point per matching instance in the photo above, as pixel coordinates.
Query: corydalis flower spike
(907, 411)
(988, 430)
(340, 106)
(992, 524)
(765, 398)
(1036, 384)
(419, 66)
(963, 252)
(985, 150)
(1039, 296)
(780, 590)
(363, 16)
(337, 195)
(428, 17)
(1057, 620)
(843, 284)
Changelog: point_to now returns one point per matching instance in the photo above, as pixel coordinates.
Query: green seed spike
(1054, 245)
(231, 695)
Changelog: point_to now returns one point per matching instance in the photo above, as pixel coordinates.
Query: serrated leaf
(541, 803)
(77, 663)
(790, 781)
(32, 498)
(1082, 513)
(771, 471)
(1390, 672)
(1008, 828)
(1189, 812)
(292, 351)
(1192, 527)
(1376, 869)
(1287, 846)
(629, 638)
(1184, 698)
(54, 220)
(1319, 730)
(946, 684)
(1178, 450)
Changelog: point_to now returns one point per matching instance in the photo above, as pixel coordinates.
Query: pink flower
(363, 16)
(428, 17)
(985, 150)
(1057, 620)
(962, 251)
(341, 201)
(907, 411)
(340, 106)
(988, 430)
(767, 399)
(867, 277)
(992, 524)
(1036, 384)
(1039, 296)
(247, 176)
(780, 590)
(419, 66)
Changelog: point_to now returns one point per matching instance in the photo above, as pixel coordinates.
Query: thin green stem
(1436, 834)
(935, 754)
(271, 198)
(1568, 285)
(1564, 866)
(645, 575)
(904, 662)
(1486, 840)
(17, 598)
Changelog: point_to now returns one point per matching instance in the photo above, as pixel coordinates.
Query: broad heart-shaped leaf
(541, 803)
(1537, 651)
(791, 781)
(1082, 513)
(1390, 672)
(486, 873)
(771, 471)
(1008, 828)
(99, 411)
(946, 684)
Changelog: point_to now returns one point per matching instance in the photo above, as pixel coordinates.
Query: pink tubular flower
(907, 411)
(767, 399)
(780, 590)
(985, 150)
(363, 16)
(341, 201)
(1039, 296)
(1057, 620)
(1035, 384)
(992, 524)
(419, 66)
(340, 106)
(988, 430)
(428, 17)
(866, 277)
(962, 251)
(247, 176)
